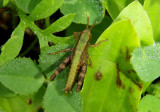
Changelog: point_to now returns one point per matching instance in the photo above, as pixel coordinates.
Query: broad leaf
(14, 104)
(140, 20)
(141, 1)
(1, 110)
(47, 6)
(35, 100)
(114, 7)
(149, 103)
(60, 24)
(27, 5)
(146, 62)
(154, 89)
(5, 92)
(21, 76)
(56, 101)
(4, 105)
(153, 7)
(106, 87)
(13, 46)
(5, 2)
(93, 9)
(62, 40)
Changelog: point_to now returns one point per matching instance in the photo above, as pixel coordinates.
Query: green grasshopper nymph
(77, 59)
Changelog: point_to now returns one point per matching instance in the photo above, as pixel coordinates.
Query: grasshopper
(78, 59)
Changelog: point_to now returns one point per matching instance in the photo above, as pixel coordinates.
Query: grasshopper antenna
(87, 23)
(92, 26)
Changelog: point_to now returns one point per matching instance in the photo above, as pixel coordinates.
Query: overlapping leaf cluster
(128, 61)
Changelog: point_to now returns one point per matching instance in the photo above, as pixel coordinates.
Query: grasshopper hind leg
(61, 67)
(81, 77)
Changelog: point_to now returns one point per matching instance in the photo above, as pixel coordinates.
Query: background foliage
(128, 61)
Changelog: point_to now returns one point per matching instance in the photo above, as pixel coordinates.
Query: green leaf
(140, 20)
(45, 37)
(35, 100)
(154, 89)
(13, 46)
(5, 92)
(5, 2)
(112, 91)
(47, 6)
(14, 104)
(55, 96)
(146, 62)
(60, 24)
(1, 110)
(153, 7)
(100, 28)
(149, 104)
(120, 35)
(21, 76)
(83, 9)
(18, 105)
(4, 105)
(1, 4)
(114, 7)
(141, 1)
(27, 5)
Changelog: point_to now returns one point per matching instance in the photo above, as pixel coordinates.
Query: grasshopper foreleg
(75, 34)
(96, 45)
(61, 67)
(65, 50)
(81, 77)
